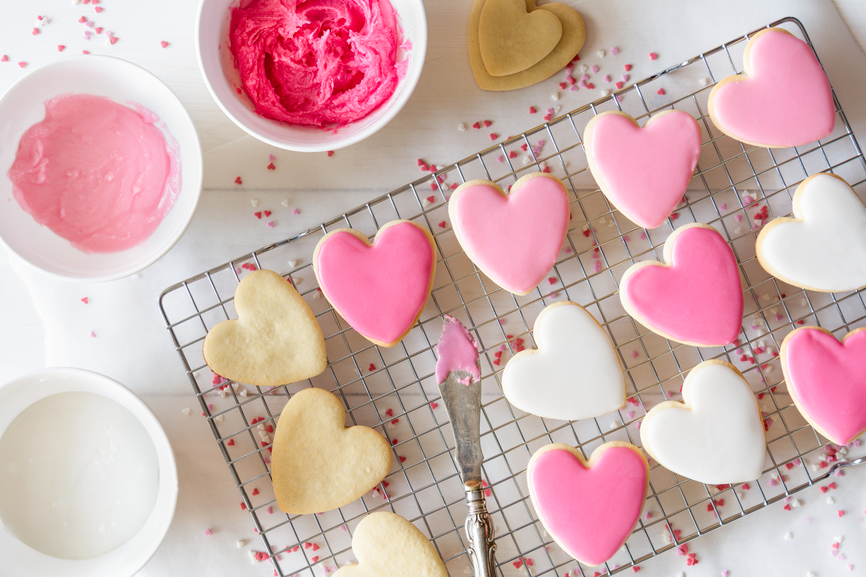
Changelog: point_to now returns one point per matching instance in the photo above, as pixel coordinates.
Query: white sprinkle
(254, 202)
(789, 536)
(605, 92)
(74, 2)
(219, 418)
(285, 203)
(527, 159)
(244, 392)
(298, 280)
(613, 425)
(602, 220)
(600, 53)
(557, 108)
(390, 427)
(223, 393)
(41, 22)
(235, 387)
(795, 503)
(811, 574)
(740, 495)
(260, 427)
(186, 411)
(814, 467)
(317, 295)
(425, 203)
(681, 574)
(830, 500)
(241, 543)
(461, 127)
(584, 68)
(839, 539)
(770, 369)
(554, 96)
(252, 554)
(293, 263)
(467, 570)
(136, 275)
(704, 81)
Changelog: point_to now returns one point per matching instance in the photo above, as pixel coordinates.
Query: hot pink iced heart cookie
(782, 99)
(513, 238)
(644, 172)
(589, 507)
(827, 380)
(380, 288)
(696, 298)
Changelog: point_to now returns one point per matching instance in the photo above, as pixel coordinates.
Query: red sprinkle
(243, 506)
(618, 85)
(114, 39)
(487, 123)
(431, 199)
(82, 20)
(627, 67)
(636, 568)
(402, 459)
(372, 367)
(653, 55)
(98, 10)
(493, 136)
(230, 443)
(434, 405)
(258, 215)
(315, 559)
(22, 64)
(551, 280)
(271, 166)
(532, 110)
(163, 43)
(84, 300)
(330, 153)
(98, 29)
(394, 442)
(477, 126)
(840, 512)
(255, 491)
(442, 224)
(238, 180)
(660, 91)
(35, 31)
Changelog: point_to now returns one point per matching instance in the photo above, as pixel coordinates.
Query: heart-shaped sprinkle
(163, 43)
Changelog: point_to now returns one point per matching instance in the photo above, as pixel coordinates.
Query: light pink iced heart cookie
(696, 298)
(827, 380)
(643, 172)
(589, 507)
(514, 238)
(379, 288)
(782, 99)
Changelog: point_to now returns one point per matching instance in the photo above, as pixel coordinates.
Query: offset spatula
(459, 376)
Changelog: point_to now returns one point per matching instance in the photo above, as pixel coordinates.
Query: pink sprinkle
(493, 136)
(22, 64)
(85, 52)
(619, 85)
(114, 39)
(597, 266)
(92, 334)
(82, 20)
(840, 512)
(35, 31)
(630, 414)
(653, 55)
(271, 157)
(607, 78)
(296, 212)
(4, 58)
(738, 217)
(724, 206)
(625, 77)
(270, 510)
(163, 43)
(271, 224)
(208, 532)
(635, 354)
(98, 29)
(84, 300)
(660, 91)
(614, 50)
(594, 68)
(98, 10)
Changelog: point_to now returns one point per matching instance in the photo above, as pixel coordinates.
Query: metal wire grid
(393, 390)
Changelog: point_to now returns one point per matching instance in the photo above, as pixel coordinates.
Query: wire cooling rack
(394, 390)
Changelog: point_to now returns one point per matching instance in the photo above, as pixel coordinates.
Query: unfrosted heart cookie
(318, 464)
(512, 38)
(589, 507)
(571, 41)
(574, 374)
(275, 340)
(716, 435)
(782, 99)
(696, 298)
(388, 545)
(823, 248)
(643, 172)
(380, 288)
(513, 238)
(827, 380)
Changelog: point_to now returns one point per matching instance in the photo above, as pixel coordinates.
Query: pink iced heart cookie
(379, 288)
(782, 99)
(827, 380)
(513, 238)
(589, 507)
(644, 172)
(696, 298)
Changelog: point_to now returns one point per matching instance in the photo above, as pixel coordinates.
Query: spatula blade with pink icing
(589, 507)
(827, 380)
(513, 238)
(644, 172)
(696, 298)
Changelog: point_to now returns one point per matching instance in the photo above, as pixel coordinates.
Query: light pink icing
(645, 170)
(828, 380)
(698, 299)
(590, 511)
(97, 173)
(381, 289)
(457, 351)
(514, 239)
(785, 101)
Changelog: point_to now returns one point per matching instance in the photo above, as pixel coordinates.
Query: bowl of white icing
(88, 477)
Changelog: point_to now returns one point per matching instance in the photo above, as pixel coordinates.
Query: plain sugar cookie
(275, 340)
(512, 38)
(318, 464)
(388, 545)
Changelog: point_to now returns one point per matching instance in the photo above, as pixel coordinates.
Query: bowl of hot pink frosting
(101, 168)
(311, 75)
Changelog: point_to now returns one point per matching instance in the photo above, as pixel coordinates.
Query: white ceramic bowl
(23, 105)
(127, 559)
(222, 79)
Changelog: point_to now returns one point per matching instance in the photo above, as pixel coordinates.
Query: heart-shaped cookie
(318, 464)
(380, 288)
(388, 545)
(782, 99)
(589, 507)
(513, 238)
(643, 172)
(574, 374)
(571, 41)
(512, 38)
(827, 380)
(823, 248)
(716, 435)
(696, 298)
(275, 340)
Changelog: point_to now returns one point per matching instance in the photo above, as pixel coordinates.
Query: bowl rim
(196, 191)
(411, 82)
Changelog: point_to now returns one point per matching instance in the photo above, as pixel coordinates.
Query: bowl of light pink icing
(102, 168)
(312, 75)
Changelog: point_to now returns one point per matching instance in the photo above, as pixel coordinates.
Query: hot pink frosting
(514, 239)
(645, 170)
(828, 380)
(698, 298)
(97, 173)
(589, 511)
(457, 351)
(785, 101)
(381, 289)
(318, 62)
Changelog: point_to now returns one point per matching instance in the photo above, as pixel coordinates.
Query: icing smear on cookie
(457, 351)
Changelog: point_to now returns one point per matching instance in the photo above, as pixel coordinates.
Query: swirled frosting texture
(318, 62)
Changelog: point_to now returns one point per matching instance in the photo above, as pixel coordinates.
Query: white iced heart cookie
(388, 545)
(823, 247)
(574, 374)
(716, 436)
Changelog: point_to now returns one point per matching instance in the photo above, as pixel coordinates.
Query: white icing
(828, 250)
(720, 440)
(574, 374)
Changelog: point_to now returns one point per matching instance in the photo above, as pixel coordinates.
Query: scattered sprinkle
(461, 127)
(653, 55)
(493, 136)
(660, 91)
(238, 180)
(92, 335)
(296, 212)
(164, 44)
(208, 532)
(600, 53)
(22, 64)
